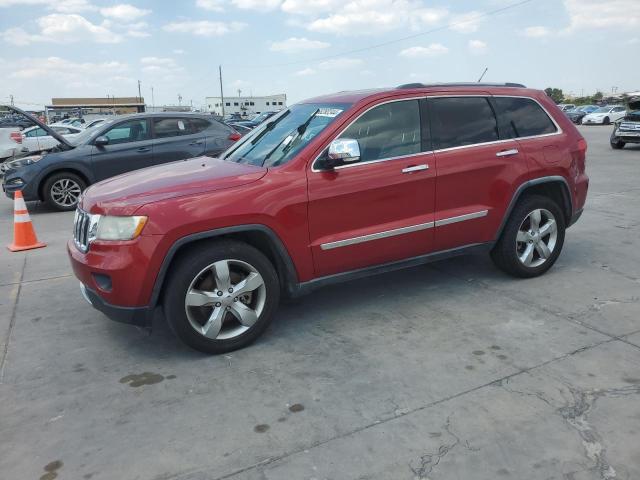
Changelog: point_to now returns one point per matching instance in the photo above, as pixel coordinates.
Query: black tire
(51, 198)
(189, 266)
(617, 144)
(606, 121)
(505, 253)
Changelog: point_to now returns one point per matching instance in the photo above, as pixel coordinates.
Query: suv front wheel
(221, 296)
(532, 238)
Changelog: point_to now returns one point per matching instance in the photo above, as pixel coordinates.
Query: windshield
(602, 110)
(277, 141)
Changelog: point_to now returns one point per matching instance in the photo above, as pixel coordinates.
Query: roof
(97, 102)
(416, 88)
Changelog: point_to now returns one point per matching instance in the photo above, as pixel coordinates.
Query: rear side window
(460, 121)
(523, 117)
(199, 125)
(387, 131)
(171, 127)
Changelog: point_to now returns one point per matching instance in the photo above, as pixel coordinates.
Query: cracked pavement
(449, 371)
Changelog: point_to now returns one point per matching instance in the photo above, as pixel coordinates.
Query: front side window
(171, 127)
(130, 131)
(524, 117)
(387, 131)
(460, 121)
(279, 139)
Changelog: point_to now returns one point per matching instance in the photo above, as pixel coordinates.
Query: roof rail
(459, 84)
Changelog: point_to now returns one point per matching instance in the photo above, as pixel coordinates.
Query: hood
(124, 194)
(63, 142)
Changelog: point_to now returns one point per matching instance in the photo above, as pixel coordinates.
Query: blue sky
(56, 48)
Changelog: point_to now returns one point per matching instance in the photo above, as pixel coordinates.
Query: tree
(598, 96)
(555, 94)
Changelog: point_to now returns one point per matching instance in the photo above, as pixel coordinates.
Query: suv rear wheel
(62, 190)
(532, 238)
(221, 296)
(617, 144)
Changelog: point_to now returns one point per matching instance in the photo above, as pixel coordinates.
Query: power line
(488, 13)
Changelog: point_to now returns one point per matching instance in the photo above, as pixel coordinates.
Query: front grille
(81, 230)
(634, 127)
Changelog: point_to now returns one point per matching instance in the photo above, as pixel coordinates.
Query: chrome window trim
(558, 131)
(402, 230)
(393, 100)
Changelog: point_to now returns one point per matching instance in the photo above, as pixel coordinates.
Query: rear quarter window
(524, 117)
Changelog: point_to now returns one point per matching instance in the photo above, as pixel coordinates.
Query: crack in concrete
(44, 279)
(12, 321)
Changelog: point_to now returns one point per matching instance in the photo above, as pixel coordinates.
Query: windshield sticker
(328, 112)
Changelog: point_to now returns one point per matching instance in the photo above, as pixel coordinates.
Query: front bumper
(28, 187)
(139, 316)
(593, 121)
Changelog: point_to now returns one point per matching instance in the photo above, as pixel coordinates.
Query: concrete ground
(449, 371)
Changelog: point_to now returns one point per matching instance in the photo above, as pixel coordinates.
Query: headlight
(119, 228)
(23, 162)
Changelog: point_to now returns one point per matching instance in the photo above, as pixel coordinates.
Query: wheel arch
(555, 187)
(258, 236)
(49, 174)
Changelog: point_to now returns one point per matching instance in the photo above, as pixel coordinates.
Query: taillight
(16, 137)
(235, 136)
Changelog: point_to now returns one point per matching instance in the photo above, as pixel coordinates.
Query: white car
(35, 139)
(605, 115)
(96, 122)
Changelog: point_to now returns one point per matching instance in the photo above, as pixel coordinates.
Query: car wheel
(221, 296)
(62, 190)
(617, 144)
(606, 121)
(532, 238)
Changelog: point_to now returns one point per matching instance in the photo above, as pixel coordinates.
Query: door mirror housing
(346, 150)
(101, 141)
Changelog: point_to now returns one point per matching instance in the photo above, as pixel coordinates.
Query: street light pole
(221, 93)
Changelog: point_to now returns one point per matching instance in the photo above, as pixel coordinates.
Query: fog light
(18, 182)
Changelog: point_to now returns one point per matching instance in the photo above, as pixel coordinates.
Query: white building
(246, 106)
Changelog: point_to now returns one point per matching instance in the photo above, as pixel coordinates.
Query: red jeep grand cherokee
(332, 189)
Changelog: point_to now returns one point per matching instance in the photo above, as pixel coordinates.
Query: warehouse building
(246, 106)
(92, 107)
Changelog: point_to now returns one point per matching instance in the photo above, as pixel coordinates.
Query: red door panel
(366, 200)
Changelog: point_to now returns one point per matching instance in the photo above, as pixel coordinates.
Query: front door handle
(144, 149)
(415, 168)
(507, 153)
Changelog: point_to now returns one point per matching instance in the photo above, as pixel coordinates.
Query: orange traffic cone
(24, 236)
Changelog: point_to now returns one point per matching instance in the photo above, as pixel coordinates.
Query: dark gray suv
(117, 146)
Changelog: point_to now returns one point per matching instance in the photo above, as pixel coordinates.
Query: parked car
(565, 107)
(241, 129)
(577, 114)
(331, 189)
(16, 120)
(37, 139)
(96, 122)
(255, 121)
(604, 115)
(119, 145)
(76, 122)
(627, 129)
(8, 144)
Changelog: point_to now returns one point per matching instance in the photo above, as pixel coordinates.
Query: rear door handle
(197, 142)
(144, 149)
(507, 153)
(415, 168)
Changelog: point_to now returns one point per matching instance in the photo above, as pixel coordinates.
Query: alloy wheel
(536, 238)
(65, 192)
(225, 299)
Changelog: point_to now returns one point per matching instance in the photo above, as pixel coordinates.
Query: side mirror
(101, 141)
(344, 150)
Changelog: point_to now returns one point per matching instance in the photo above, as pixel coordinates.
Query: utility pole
(11, 96)
(179, 100)
(483, 74)
(139, 93)
(221, 93)
(153, 102)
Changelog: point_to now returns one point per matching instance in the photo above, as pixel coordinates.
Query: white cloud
(204, 28)
(305, 72)
(61, 6)
(477, 47)
(466, 22)
(160, 65)
(294, 45)
(263, 5)
(369, 17)
(432, 50)
(212, 5)
(178, 51)
(310, 7)
(124, 12)
(62, 28)
(60, 69)
(340, 63)
(536, 32)
(620, 14)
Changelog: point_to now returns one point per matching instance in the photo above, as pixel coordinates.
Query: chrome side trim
(376, 236)
(461, 218)
(402, 230)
